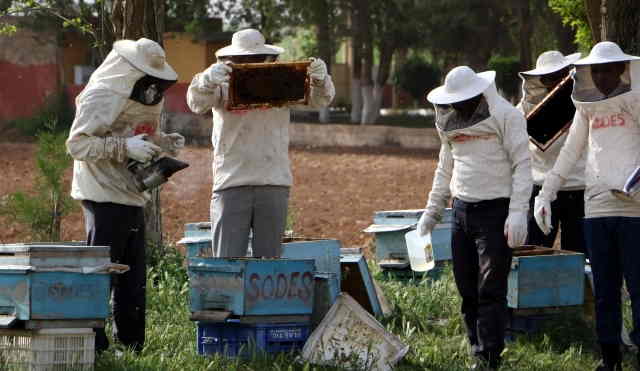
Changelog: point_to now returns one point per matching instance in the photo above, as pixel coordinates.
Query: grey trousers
(236, 211)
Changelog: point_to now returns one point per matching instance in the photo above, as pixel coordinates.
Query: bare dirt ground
(335, 194)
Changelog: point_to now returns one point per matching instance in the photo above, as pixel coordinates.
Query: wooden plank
(210, 316)
(44, 324)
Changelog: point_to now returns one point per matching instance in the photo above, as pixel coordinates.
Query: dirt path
(335, 193)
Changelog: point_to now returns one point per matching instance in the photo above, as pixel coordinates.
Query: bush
(56, 109)
(507, 77)
(417, 77)
(44, 210)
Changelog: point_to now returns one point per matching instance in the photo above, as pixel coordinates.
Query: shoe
(609, 367)
(483, 365)
(611, 358)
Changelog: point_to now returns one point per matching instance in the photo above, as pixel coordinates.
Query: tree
(574, 14)
(620, 22)
(417, 76)
(123, 20)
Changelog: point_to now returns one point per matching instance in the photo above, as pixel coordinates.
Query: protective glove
(217, 74)
(542, 213)
(139, 149)
(426, 224)
(515, 228)
(317, 70)
(177, 140)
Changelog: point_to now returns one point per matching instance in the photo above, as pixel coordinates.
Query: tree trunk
(623, 24)
(564, 34)
(401, 59)
(524, 14)
(136, 19)
(325, 45)
(592, 7)
(356, 64)
(133, 20)
(366, 77)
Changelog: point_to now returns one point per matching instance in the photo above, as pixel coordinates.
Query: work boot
(611, 358)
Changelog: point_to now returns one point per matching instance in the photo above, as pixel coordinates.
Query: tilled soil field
(335, 194)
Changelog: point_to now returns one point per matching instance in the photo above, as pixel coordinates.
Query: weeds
(43, 211)
(426, 316)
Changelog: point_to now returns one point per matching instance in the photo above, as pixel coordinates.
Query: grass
(425, 316)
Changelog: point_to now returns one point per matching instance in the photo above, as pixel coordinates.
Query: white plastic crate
(48, 349)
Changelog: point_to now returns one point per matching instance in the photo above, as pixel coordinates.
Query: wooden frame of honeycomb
(267, 85)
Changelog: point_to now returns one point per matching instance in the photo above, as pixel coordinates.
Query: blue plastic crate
(243, 340)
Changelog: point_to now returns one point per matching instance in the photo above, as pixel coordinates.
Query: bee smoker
(150, 175)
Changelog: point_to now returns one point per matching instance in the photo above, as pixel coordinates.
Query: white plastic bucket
(420, 251)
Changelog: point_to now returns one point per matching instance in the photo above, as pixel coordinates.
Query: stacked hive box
(55, 294)
(245, 304)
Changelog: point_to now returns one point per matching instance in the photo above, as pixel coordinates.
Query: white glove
(177, 140)
(426, 224)
(542, 213)
(141, 150)
(515, 228)
(217, 74)
(317, 70)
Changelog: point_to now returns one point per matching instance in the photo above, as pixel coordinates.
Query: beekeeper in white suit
(251, 171)
(606, 126)
(117, 118)
(484, 164)
(568, 209)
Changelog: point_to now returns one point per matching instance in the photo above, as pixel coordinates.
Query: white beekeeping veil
(585, 89)
(461, 84)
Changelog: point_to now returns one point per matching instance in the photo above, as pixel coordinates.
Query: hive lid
(56, 248)
(378, 228)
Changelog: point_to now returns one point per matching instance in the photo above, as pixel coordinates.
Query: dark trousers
(567, 211)
(613, 246)
(121, 227)
(481, 265)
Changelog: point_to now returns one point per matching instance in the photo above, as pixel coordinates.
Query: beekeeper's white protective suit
(484, 164)
(105, 119)
(250, 149)
(569, 207)
(533, 91)
(491, 161)
(607, 127)
(608, 130)
(117, 121)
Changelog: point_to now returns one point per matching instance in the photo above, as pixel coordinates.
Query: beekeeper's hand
(515, 228)
(217, 74)
(542, 213)
(177, 140)
(317, 70)
(139, 149)
(426, 224)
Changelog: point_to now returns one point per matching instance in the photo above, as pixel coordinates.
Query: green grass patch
(426, 316)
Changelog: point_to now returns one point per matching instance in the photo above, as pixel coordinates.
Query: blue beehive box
(45, 281)
(555, 279)
(243, 340)
(197, 240)
(441, 237)
(390, 227)
(358, 283)
(325, 253)
(247, 286)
